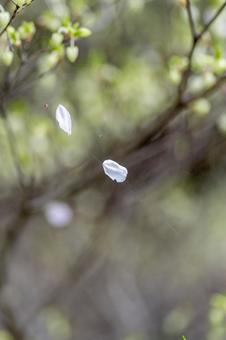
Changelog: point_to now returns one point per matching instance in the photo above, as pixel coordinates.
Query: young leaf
(7, 57)
(115, 171)
(64, 119)
(4, 19)
(72, 53)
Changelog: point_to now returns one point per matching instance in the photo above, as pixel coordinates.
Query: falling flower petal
(64, 119)
(115, 171)
(58, 214)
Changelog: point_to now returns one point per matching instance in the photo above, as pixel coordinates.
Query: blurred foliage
(146, 261)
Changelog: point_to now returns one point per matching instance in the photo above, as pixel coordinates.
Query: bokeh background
(94, 259)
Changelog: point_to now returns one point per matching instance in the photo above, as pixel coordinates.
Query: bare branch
(12, 143)
(211, 21)
(206, 92)
(191, 20)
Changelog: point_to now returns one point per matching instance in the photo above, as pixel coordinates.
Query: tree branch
(12, 143)
(191, 20)
(211, 21)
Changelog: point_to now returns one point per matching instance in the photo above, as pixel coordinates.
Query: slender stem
(206, 92)
(187, 72)
(12, 142)
(196, 37)
(191, 20)
(211, 21)
(23, 85)
(8, 240)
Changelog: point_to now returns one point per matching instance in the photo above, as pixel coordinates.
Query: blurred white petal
(115, 171)
(58, 214)
(64, 119)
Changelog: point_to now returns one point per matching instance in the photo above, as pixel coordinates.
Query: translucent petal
(115, 171)
(64, 119)
(58, 214)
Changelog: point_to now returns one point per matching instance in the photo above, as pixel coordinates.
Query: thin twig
(12, 143)
(211, 21)
(196, 37)
(191, 20)
(187, 72)
(8, 240)
(18, 89)
(206, 92)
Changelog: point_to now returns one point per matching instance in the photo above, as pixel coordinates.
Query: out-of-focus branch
(9, 237)
(10, 323)
(212, 20)
(191, 20)
(26, 85)
(10, 234)
(206, 92)
(12, 144)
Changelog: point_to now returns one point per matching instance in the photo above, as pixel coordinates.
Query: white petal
(58, 214)
(64, 119)
(115, 171)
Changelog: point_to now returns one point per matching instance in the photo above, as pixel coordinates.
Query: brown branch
(24, 85)
(12, 143)
(10, 322)
(211, 21)
(9, 238)
(206, 92)
(191, 20)
(187, 72)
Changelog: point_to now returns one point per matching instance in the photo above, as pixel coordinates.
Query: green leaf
(83, 32)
